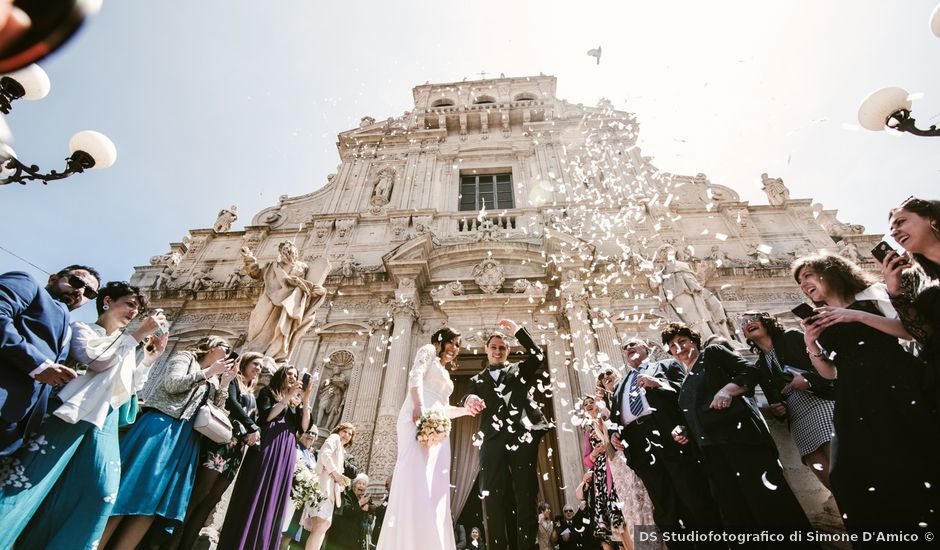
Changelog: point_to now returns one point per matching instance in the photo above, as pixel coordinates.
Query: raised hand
(508, 325)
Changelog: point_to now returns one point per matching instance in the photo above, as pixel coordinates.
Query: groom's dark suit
(673, 474)
(512, 424)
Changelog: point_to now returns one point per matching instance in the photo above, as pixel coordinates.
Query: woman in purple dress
(263, 486)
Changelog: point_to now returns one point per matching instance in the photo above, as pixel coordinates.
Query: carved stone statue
(451, 289)
(285, 310)
(349, 267)
(225, 220)
(683, 298)
(528, 288)
(777, 192)
(199, 280)
(234, 279)
(164, 278)
(850, 251)
(383, 185)
(331, 396)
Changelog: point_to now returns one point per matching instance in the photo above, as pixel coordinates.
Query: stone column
(582, 337)
(367, 399)
(563, 402)
(606, 335)
(404, 311)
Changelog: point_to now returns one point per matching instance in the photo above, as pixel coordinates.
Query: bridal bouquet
(433, 427)
(305, 489)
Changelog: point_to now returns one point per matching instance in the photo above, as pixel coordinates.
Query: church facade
(496, 199)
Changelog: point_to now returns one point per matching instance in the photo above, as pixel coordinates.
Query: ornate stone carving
(398, 227)
(527, 287)
(344, 229)
(489, 275)
(234, 279)
(777, 192)
(199, 279)
(170, 259)
(349, 267)
(321, 231)
(226, 218)
(850, 251)
(366, 121)
(451, 289)
(404, 307)
(209, 319)
(422, 224)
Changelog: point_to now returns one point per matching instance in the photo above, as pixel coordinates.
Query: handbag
(718, 419)
(212, 421)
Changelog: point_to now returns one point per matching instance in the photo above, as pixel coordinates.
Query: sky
(223, 102)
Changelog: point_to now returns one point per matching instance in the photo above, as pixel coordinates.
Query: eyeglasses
(750, 318)
(604, 375)
(78, 283)
(569, 511)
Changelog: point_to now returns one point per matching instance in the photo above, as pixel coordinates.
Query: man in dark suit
(512, 425)
(644, 407)
(34, 341)
(570, 529)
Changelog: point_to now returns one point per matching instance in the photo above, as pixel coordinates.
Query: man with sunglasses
(645, 408)
(34, 342)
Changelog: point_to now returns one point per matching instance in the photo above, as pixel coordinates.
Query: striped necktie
(633, 395)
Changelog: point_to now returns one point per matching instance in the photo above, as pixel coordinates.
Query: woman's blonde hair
(203, 346)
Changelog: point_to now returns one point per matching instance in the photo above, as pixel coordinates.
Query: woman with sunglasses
(160, 453)
(793, 387)
(601, 495)
(886, 447)
(68, 475)
(913, 279)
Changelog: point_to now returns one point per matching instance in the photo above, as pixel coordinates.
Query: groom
(512, 425)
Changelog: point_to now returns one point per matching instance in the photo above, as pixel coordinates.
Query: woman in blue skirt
(159, 454)
(58, 490)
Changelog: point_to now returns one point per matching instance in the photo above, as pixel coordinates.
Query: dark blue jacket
(34, 327)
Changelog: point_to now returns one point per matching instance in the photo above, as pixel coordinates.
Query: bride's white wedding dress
(418, 514)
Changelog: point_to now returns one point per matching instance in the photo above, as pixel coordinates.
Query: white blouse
(112, 376)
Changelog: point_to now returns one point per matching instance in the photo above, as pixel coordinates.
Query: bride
(418, 514)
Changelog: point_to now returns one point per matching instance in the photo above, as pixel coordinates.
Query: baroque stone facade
(560, 235)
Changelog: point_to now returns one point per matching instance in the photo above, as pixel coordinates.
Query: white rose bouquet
(433, 427)
(305, 489)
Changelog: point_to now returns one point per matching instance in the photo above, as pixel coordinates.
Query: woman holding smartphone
(913, 279)
(886, 445)
(263, 488)
(160, 453)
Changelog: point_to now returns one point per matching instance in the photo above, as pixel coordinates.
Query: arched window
(525, 96)
(444, 102)
(484, 100)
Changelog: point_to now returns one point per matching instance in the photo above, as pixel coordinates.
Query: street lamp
(891, 108)
(88, 149)
(30, 83)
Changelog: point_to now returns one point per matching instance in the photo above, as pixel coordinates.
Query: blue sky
(215, 102)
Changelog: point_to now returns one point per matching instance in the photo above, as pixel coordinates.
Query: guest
(34, 342)
(476, 541)
(913, 280)
(66, 496)
(160, 452)
(740, 455)
(601, 494)
(570, 530)
(793, 388)
(886, 450)
(546, 535)
(291, 526)
(220, 462)
(332, 482)
(263, 488)
(644, 409)
(352, 521)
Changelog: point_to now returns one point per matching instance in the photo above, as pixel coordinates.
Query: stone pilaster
(366, 404)
(563, 402)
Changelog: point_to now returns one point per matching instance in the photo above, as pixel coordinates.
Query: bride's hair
(442, 336)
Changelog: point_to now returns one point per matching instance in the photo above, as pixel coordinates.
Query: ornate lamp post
(891, 107)
(87, 149)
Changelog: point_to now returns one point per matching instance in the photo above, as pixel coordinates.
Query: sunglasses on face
(78, 284)
(750, 319)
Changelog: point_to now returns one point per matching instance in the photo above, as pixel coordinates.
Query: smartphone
(305, 381)
(803, 311)
(232, 356)
(881, 250)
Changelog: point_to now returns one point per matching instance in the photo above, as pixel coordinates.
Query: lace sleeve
(423, 360)
(911, 282)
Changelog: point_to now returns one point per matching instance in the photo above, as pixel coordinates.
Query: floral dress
(601, 496)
